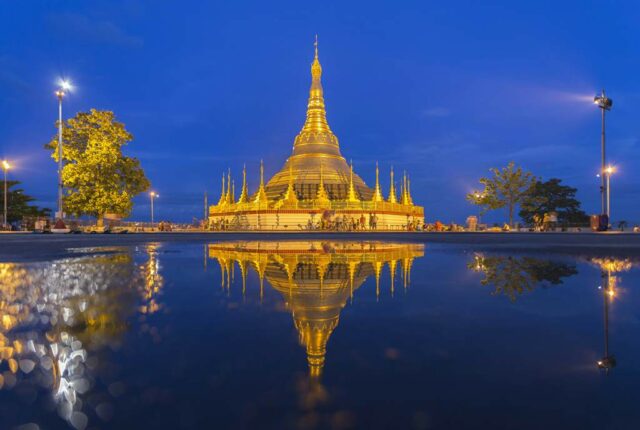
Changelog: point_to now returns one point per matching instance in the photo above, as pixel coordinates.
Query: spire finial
(321, 195)
(223, 194)
(315, 44)
(352, 196)
(377, 192)
(392, 189)
(261, 173)
(261, 196)
(244, 194)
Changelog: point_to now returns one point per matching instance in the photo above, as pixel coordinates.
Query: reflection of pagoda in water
(316, 279)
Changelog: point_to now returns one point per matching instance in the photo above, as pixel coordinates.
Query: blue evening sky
(443, 89)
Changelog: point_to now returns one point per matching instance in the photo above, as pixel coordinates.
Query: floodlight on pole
(605, 104)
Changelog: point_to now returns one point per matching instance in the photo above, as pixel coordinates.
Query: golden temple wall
(298, 219)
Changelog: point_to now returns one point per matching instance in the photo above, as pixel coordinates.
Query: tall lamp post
(153, 195)
(605, 104)
(65, 86)
(608, 171)
(5, 168)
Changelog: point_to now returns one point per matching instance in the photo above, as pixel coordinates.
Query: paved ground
(21, 247)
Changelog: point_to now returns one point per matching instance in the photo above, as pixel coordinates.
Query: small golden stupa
(315, 278)
(316, 188)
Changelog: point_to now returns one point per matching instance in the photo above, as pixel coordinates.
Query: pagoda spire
(223, 194)
(233, 191)
(244, 194)
(321, 195)
(316, 113)
(392, 190)
(352, 197)
(377, 193)
(290, 195)
(261, 195)
(229, 198)
(409, 199)
(405, 193)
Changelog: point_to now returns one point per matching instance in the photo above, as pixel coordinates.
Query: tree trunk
(510, 214)
(101, 220)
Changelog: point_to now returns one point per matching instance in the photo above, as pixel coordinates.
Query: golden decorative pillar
(392, 190)
(290, 198)
(244, 194)
(261, 195)
(377, 193)
(223, 194)
(405, 193)
(352, 197)
(322, 199)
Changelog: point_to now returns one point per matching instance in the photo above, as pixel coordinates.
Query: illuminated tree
(97, 176)
(506, 188)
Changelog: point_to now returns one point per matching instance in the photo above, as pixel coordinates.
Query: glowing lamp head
(5, 165)
(603, 101)
(154, 195)
(609, 170)
(64, 87)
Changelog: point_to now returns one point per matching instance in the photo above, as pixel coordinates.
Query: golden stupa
(316, 188)
(315, 278)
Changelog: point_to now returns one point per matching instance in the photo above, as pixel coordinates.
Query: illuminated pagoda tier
(316, 279)
(315, 187)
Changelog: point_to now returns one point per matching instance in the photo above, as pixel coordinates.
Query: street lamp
(65, 86)
(605, 104)
(608, 171)
(153, 195)
(5, 168)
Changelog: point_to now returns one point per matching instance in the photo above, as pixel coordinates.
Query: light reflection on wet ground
(318, 334)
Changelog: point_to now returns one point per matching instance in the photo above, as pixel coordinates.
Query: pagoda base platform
(315, 219)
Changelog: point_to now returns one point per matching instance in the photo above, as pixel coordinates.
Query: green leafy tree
(552, 196)
(513, 276)
(18, 205)
(506, 188)
(97, 176)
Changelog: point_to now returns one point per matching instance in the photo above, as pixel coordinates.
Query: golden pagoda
(315, 188)
(315, 278)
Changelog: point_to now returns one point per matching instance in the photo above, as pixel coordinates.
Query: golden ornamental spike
(261, 195)
(322, 199)
(223, 194)
(404, 195)
(392, 189)
(244, 194)
(352, 197)
(377, 193)
(290, 198)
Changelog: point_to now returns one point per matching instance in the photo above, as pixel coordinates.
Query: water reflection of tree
(513, 276)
